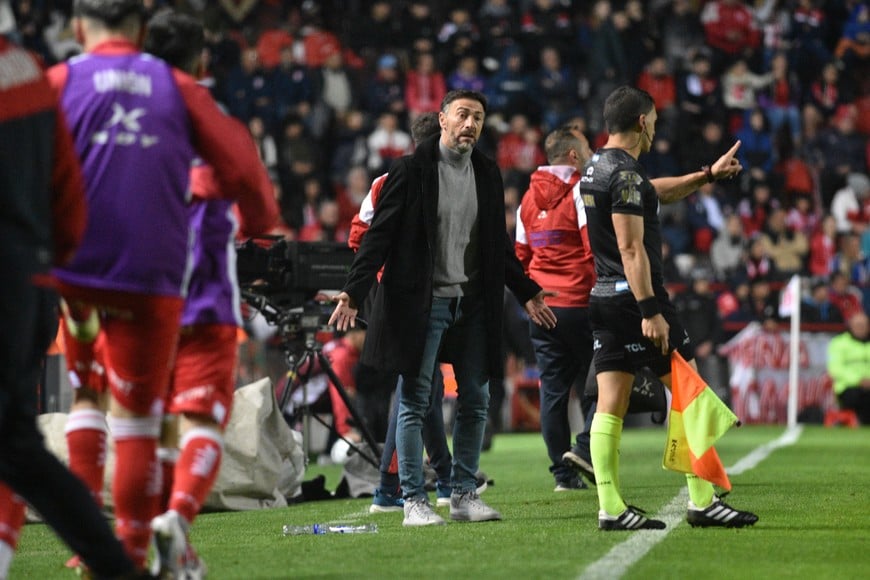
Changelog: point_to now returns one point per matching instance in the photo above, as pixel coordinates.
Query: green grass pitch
(812, 498)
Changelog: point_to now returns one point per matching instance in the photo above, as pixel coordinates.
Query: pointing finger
(733, 151)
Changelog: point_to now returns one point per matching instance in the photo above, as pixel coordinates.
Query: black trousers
(29, 316)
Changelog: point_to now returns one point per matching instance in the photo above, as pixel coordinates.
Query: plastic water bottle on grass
(320, 529)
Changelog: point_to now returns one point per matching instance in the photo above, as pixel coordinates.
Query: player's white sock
(6, 555)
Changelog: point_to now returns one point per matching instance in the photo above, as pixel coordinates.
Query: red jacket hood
(550, 183)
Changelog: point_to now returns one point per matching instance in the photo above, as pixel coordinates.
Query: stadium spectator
(42, 224)
(638, 39)
(818, 308)
(555, 89)
(546, 21)
(848, 203)
(825, 92)
(823, 246)
(607, 66)
(519, 151)
(248, 91)
(397, 240)
(781, 99)
(387, 143)
(658, 81)
(699, 95)
(553, 247)
(424, 86)
(682, 36)
(851, 261)
(806, 39)
(335, 89)
(662, 160)
(849, 366)
(695, 149)
(265, 143)
(756, 145)
(629, 303)
(499, 27)
(459, 37)
(802, 215)
(418, 28)
(386, 91)
(374, 34)
(731, 31)
(845, 295)
(700, 316)
(131, 291)
(853, 47)
(349, 144)
(291, 82)
(755, 210)
(510, 88)
(739, 87)
(351, 193)
(705, 218)
(466, 75)
(728, 249)
(757, 263)
(786, 247)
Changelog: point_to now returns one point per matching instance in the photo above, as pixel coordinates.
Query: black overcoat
(402, 237)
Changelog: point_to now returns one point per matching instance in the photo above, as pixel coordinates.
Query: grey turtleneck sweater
(457, 255)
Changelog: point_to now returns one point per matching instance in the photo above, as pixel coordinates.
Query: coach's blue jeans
(462, 321)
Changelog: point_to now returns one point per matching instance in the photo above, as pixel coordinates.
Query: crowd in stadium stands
(329, 88)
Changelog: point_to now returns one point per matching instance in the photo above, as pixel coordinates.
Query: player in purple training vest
(137, 126)
(203, 379)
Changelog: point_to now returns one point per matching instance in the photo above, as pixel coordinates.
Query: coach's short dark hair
(457, 94)
(425, 126)
(624, 106)
(176, 38)
(110, 12)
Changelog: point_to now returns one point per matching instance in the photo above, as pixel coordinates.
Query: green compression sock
(605, 435)
(700, 490)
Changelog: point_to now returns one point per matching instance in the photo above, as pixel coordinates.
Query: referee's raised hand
(727, 166)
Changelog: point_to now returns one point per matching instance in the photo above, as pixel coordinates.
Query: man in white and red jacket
(553, 246)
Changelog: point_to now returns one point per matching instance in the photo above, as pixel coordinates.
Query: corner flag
(790, 299)
(698, 418)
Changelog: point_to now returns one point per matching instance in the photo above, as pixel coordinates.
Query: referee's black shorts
(619, 343)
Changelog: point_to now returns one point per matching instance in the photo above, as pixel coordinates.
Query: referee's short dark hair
(623, 107)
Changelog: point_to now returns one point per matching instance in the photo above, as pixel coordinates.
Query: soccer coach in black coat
(439, 231)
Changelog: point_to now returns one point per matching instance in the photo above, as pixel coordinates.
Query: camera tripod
(300, 367)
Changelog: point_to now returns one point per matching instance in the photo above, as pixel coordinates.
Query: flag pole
(794, 353)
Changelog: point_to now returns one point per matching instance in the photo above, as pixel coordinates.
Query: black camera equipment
(283, 280)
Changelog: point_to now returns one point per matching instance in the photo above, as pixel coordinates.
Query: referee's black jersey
(614, 182)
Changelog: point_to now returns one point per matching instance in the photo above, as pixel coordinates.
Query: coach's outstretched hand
(727, 166)
(538, 310)
(344, 315)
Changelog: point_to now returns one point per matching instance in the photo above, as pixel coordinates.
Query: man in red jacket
(553, 247)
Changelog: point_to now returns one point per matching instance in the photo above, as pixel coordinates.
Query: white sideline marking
(616, 562)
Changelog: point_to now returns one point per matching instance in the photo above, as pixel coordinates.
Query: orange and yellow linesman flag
(698, 418)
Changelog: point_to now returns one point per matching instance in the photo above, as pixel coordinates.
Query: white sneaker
(419, 512)
(468, 507)
(169, 532)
